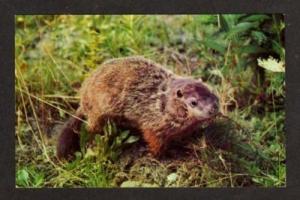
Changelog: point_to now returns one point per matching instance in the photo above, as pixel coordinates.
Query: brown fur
(139, 94)
(68, 141)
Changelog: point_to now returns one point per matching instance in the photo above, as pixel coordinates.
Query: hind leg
(68, 144)
(68, 141)
(155, 143)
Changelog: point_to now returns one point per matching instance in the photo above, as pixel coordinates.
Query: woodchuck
(141, 95)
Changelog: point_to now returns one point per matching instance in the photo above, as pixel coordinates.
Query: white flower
(271, 64)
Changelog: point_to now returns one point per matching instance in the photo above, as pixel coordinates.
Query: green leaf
(109, 128)
(278, 49)
(206, 19)
(124, 134)
(22, 177)
(97, 139)
(214, 45)
(254, 18)
(225, 24)
(259, 36)
(38, 180)
(252, 49)
(241, 28)
(84, 137)
(131, 139)
(231, 20)
(90, 153)
(117, 142)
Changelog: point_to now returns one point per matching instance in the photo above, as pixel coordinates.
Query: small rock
(172, 177)
(137, 184)
(130, 184)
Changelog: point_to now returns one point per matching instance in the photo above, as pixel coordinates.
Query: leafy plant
(110, 145)
(29, 177)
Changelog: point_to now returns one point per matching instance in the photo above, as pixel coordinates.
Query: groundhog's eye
(179, 94)
(194, 103)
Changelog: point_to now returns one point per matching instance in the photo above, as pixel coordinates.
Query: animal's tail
(69, 140)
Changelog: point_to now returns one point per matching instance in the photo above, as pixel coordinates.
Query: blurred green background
(241, 56)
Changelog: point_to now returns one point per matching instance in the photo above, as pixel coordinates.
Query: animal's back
(125, 88)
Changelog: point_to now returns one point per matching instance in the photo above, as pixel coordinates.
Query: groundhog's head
(195, 98)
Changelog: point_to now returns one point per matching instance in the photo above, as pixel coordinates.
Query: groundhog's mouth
(210, 117)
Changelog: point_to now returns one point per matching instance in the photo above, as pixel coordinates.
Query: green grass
(54, 54)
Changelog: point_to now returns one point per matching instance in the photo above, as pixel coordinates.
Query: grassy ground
(245, 147)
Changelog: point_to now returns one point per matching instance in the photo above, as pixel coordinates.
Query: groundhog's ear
(179, 93)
